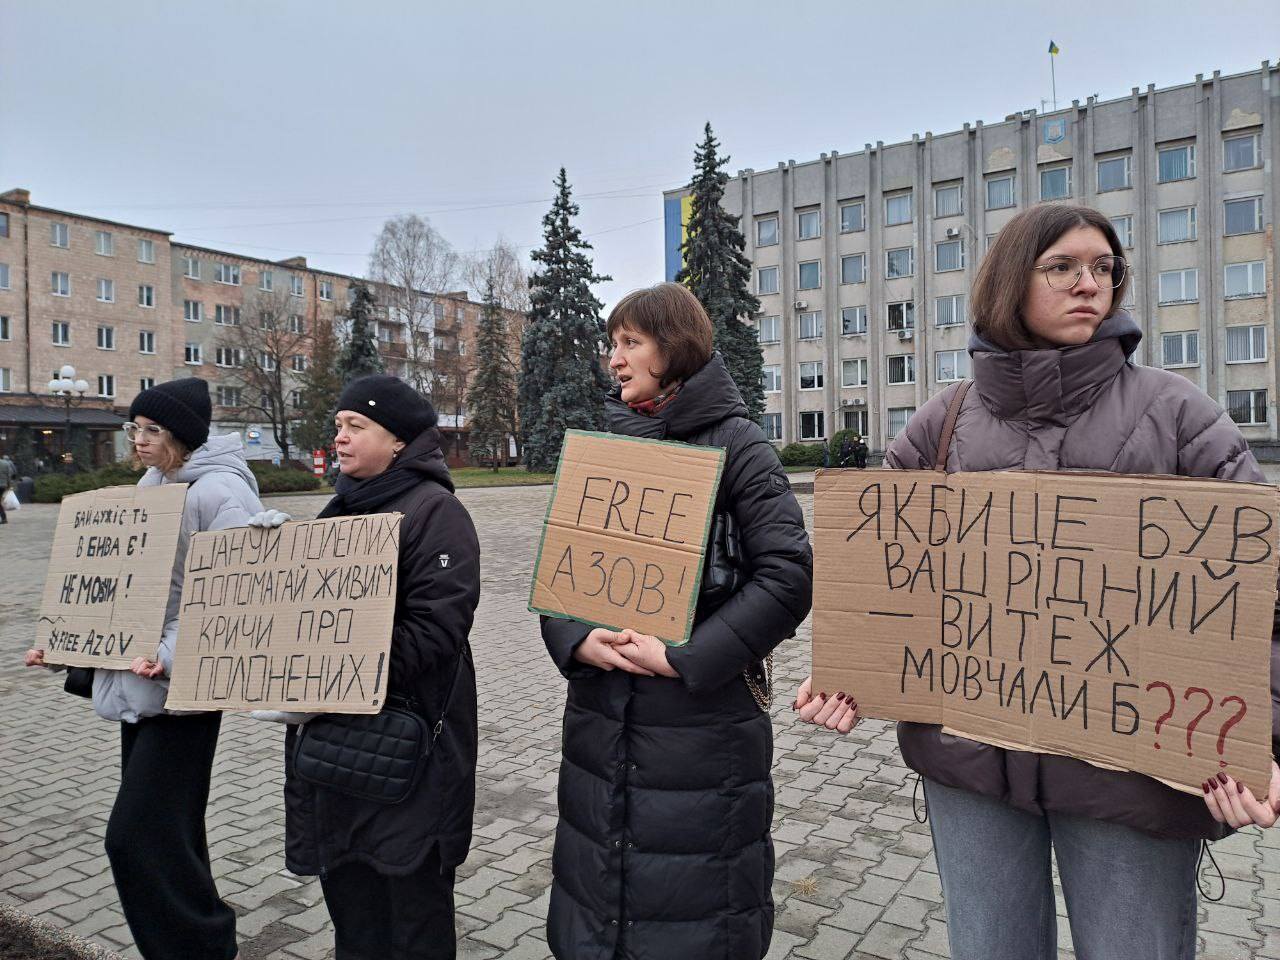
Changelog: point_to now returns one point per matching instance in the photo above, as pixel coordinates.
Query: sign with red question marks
(1123, 620)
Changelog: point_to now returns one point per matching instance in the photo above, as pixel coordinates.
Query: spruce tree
(491, 399)
(320, 385)
(360, 355)
(719, 274)
(562, 376)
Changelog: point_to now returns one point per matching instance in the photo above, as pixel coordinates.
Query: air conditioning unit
(801, 304)
(953, 233)
(906, 334)
(857, 402)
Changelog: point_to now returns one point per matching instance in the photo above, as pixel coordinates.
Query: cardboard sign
(109, 574)
(297, 617)
(1123, 620)
(625, 533)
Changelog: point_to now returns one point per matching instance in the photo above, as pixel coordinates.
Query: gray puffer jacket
(1085, 407)
(223, 493)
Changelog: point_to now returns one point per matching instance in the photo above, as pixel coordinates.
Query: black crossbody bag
(378, 757)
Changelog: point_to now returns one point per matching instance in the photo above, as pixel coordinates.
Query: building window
(948, 255)
(1177, 225)
(810, 275)
(771, 377)
(901, 316)
(808, 224)
(61, 333)
(6, 331)
(59, 235)
(853, 268)
(1179, 286)
(60, 284)
(4, 276)
(146, 295)
(1247, 344)
(811, 375)
(226, 316)
(146, 341)
(898, 418)
(949, 311)
(1176, 163)
(295, 286)
(296, 323)
(267, 362)
(146, 251)
(107, 290)
(851, 217)
(856, 420)
(227, 273)
(811, 325)
(772, 423)
(769, 329)
(951, 365)
(767, 280)
(191, 354)
(1123, 227)
(192, 311)
(901, 369)
(1243, 216)
(899, 262)
(812, 426)
(266, 281)
(104, 245)
(853, 373)
(1000, 192)
(1115, 173)
(106, 385)
(1180, 349)
(853, 320)
(228, 396)
(146, 383)
(228, 357)
(295, 399)
(767, 232)
(1248, 408)
(1246, 279)
(6, 380)
(106, 338)
(4, 224)
(897, 209)
(190, 267)
(298, 363)
(1241, 153)
(948, 201)
(1055, 183)
(326, 290)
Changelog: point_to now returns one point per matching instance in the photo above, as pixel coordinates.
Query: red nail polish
(1205, 786)
(822, 696)
(1222, 778)
(1213, 783)
(1239, 786)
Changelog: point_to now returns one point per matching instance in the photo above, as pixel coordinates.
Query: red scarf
(650, 408)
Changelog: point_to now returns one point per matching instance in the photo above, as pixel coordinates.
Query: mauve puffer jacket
(1088, 408)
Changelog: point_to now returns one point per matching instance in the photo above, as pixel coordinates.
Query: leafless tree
(503, 266)
(411, 266)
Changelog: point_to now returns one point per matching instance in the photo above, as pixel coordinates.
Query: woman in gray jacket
(1055, 388)
(156, 835)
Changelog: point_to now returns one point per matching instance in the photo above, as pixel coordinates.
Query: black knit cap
(180, 406)
(390, 402)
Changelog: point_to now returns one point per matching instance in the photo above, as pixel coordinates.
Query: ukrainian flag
(1053, 48)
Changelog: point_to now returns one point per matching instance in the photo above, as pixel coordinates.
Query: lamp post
(71, 390)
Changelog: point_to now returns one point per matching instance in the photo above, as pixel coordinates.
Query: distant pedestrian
(8, 473)
(846, 452)
(860, 451)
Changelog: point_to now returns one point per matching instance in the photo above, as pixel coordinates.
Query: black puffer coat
(663, 850)
(437, 591)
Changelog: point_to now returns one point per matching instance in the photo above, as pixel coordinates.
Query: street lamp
(71, 390)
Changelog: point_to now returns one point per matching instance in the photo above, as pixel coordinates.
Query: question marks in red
(1191, 727)
(1173, 702)
(1231, 722)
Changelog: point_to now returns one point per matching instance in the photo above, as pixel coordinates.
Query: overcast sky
(282, 128)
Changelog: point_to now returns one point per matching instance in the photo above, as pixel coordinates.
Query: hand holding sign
(1234, 804)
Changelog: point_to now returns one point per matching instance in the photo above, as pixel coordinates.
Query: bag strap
(448, 697)
(949, 425)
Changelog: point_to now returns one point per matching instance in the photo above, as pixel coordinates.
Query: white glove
(282, 716)
(268, 518)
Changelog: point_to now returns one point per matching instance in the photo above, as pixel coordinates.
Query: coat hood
(221, 454)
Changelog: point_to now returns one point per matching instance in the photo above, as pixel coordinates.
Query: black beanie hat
(180, 406)
(390, 402)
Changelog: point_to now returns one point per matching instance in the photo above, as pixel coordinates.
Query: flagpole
(1053, 75)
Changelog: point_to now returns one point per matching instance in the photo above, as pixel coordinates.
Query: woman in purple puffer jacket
(1055, 388)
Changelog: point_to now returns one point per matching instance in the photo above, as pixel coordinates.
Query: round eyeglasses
(1063, 273)
(152, 431)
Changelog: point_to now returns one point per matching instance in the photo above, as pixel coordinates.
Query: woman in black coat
(387, 871)
(663, 848)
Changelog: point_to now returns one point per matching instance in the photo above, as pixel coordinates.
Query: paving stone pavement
(855, 871)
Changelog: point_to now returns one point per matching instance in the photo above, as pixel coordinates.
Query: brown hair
(675, 319)
(175, 455)
(1001, 286)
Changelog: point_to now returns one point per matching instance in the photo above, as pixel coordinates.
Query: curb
(42, 936)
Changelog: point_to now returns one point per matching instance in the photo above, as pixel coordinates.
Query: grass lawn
(506, 477)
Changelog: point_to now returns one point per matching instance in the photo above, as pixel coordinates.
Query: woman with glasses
(156, 835)
(1055, 387)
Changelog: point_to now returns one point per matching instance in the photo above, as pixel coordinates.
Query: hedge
(801, 455)
(52, 487)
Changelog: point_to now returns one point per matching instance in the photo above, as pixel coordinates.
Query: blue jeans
(1129, 896)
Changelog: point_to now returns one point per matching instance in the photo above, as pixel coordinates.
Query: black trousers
(156, 840)
(376, 917)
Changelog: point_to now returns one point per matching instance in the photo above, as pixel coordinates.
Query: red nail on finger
(1239, 786)
(1222, 778)
(1205, 786)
